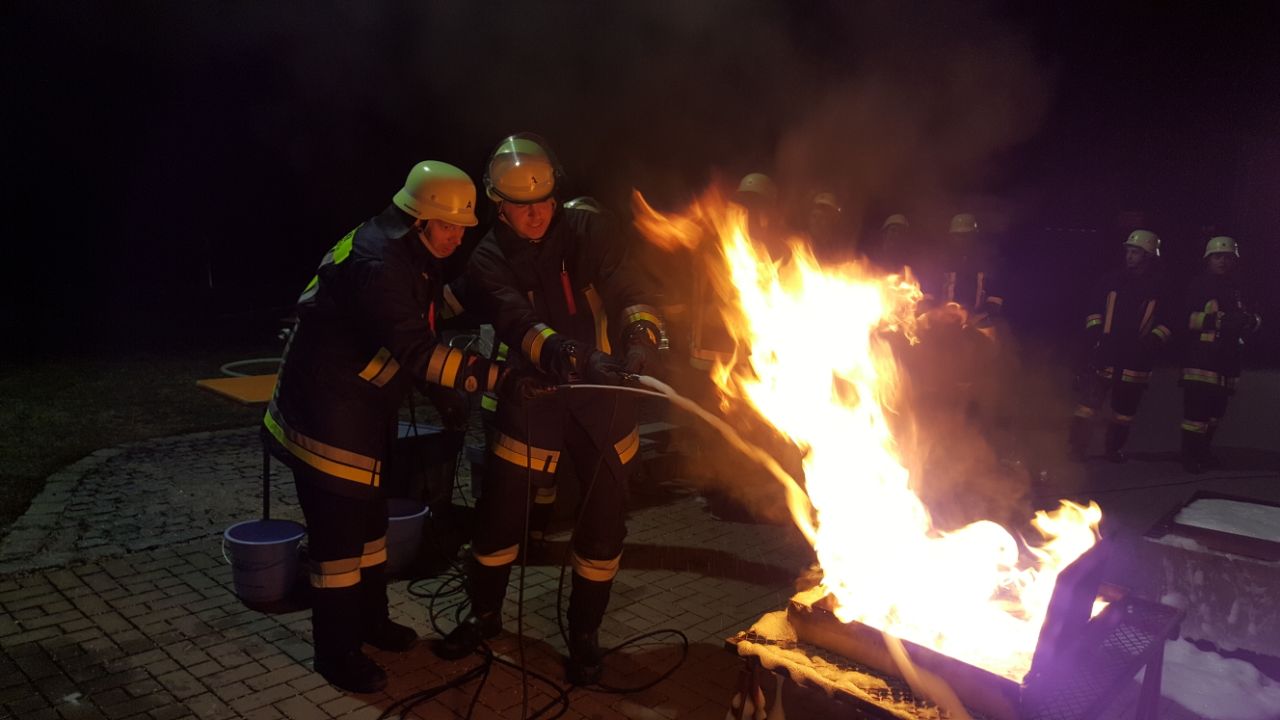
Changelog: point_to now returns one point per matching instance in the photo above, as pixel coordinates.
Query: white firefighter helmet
(758, 185)
(895, 220)
(963, 223)
(828, 201)
(1145, 240)
(437, 190)
(1221, 244)
(521, 170)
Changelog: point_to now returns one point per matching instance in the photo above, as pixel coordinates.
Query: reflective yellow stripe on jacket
(326, 458)
(381, 368)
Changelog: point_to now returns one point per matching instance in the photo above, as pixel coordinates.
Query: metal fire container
(1226, 582)
(1080, 666)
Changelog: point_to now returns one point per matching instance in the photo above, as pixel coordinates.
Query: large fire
(815, 362)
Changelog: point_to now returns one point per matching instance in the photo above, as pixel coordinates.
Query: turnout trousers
(595, 431)
(347, 553)
(1126, 387)
(1205, 395)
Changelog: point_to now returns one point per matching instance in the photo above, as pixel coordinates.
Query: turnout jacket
(1218, 319)
(365, 334)
(574, 284)
(1128, 323)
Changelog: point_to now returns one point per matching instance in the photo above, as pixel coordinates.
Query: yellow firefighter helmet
(521, 170)
(1221, 244)
(895, 220)
(964, 223)
(1146, 240)
(437, 190)
(759, 185)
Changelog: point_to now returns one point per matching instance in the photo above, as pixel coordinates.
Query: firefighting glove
(603, 369)
(1235, 324)
(642, 352)
(451, 404)
(523, 384)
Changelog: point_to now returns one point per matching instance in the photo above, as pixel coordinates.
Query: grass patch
(55, 411)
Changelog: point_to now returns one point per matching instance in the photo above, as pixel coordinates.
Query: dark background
(175, 170)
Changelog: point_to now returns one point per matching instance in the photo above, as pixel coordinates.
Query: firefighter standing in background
(365, 335)
(962, 273)
(895, 251)
(956, 362)
(1125, 333)
(556, 285)
(1219, 320)
(825, 231)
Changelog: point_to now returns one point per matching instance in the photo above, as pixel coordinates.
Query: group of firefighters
(570, 308)
(567, 308)
(1134, 319)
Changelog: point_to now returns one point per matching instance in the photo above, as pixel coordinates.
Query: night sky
(177, 169)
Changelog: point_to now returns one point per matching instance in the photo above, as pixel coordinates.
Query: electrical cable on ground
(454, 583)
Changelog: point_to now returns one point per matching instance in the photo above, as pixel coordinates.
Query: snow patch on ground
(1233, 516)
(1215, 687)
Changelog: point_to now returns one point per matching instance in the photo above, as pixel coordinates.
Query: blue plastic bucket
(264, 558)
(404, 532)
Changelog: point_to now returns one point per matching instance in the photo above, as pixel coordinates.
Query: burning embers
(815, 360)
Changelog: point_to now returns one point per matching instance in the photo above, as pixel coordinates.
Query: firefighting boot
(1211, 460)
(587, 604)
(1078, 438)
(1194, 448)
(487, 588)
(377, 627)
(1117, 435)
(337, 641)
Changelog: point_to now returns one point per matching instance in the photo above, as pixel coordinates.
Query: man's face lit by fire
(1135, 258)
(529, 220)
(440, 238)
(1222, 263)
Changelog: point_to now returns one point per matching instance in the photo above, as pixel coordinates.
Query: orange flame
(814, 360)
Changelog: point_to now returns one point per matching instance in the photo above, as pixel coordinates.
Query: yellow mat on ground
(250, 389)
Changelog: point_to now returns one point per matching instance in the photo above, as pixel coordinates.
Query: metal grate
(1092, 678)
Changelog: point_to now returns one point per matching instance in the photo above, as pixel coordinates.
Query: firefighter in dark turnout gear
(365, 335)
(956, 364)
(1219, 319)
(555, 284)
(1126, 331)
(963, 273)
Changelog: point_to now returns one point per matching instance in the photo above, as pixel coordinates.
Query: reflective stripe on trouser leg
(375, 552)
(343, 533)
(335, 573)
(596, 570)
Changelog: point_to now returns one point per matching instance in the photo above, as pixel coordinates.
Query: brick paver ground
(116, 602)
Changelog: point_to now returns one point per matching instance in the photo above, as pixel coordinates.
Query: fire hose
(797, 499)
